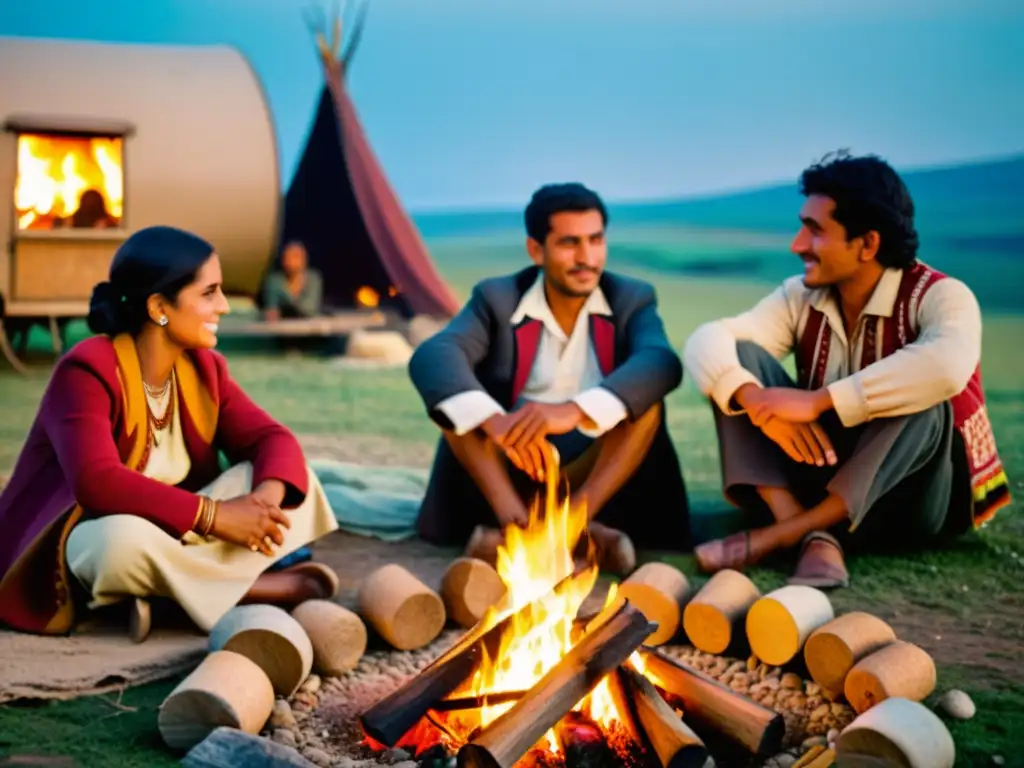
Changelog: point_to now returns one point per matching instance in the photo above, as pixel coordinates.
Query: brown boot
(483, 544)
(615, 551)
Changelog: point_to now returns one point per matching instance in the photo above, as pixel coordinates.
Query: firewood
(270, 637)
(712, 709)
(469, 587)
(403, 610)
(897, 732)
(226, 688)
(337, 634)
(391, 717)
(509, 737)
(583, 743)
(899, 670)
(779, 623)
(833, 648)
(674, 743)
(460, 703)
(660, 591)
(713, 619)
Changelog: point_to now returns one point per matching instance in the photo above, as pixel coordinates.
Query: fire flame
(55, 171)
(532, 562)
(367, 297)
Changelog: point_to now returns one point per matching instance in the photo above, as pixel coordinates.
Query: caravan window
(69, 181)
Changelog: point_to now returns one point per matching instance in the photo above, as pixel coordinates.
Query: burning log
(714, 708)
(674, 743)
(509, 737)
(583, 744)
(392, 717)
(477, 702)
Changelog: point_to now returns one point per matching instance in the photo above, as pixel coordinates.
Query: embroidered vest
(882, 337)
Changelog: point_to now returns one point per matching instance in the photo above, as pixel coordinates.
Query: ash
(321, 719)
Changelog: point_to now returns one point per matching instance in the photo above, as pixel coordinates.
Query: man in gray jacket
(562, 353)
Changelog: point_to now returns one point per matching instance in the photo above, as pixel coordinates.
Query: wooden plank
(330, 325)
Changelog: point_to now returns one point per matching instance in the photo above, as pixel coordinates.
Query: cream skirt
(118, 556)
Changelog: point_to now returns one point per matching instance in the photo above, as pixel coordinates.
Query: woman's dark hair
(153, 260)
(869, 195)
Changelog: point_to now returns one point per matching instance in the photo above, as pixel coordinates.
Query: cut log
(338, 635)
(711, 708)
(674, 743)
(583, 743)
(390, 719)
(509, 737)
(660, 591)
(226, 689)
(469, 587)
(270, 637)
(713, 619)
(403, 610)
(477, 702)
(899, 670)
(779, 623)
(897, 732)
(833, 648)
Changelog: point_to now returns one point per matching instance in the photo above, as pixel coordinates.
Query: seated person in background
(561, 351)
(118, 492)
(885, 433)
(294, 291)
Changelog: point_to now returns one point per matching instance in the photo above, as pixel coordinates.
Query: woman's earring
(163, 320)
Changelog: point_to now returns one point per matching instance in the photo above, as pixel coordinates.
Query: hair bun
(104, 307)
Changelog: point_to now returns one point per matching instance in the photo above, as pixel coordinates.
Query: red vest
(991, 489)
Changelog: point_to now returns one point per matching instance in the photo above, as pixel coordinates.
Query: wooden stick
(509, 737)
(477, 702)
(712, 708)
(390, 719)
(674, 743)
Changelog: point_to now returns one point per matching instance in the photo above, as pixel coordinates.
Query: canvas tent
(341, 206)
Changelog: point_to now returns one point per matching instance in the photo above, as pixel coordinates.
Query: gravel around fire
(321, 719)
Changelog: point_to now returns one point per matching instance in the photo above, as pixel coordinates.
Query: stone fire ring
(321, 719)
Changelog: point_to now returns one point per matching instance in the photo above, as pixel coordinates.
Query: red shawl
(991, 489)
(83, 457)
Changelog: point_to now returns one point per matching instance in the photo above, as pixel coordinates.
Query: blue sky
(477, 102)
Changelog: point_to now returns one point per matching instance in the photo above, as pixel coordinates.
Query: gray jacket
(480, 349)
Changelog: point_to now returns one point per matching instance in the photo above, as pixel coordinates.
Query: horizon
(472, 107)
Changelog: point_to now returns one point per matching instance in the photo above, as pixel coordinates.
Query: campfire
(535, 683)
(59, 176)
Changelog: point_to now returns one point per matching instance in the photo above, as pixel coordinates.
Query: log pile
(258, 652)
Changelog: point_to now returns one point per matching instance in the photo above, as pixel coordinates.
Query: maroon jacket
(81, 460)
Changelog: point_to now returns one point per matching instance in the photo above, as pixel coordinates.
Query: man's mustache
(582, 270)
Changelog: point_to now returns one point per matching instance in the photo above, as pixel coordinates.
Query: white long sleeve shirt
(565, 369)
(922, 374)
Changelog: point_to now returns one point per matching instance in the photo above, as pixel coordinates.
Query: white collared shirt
(933, 369)
(565, 369)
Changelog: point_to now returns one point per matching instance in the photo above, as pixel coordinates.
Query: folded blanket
(381, 502)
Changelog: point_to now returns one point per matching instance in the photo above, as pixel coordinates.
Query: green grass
(968, 594)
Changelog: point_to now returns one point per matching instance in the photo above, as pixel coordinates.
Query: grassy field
(964, 604)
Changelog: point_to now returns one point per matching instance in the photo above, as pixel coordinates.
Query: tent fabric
(341, 206)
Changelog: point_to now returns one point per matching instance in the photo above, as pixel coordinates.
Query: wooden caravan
(99, 140)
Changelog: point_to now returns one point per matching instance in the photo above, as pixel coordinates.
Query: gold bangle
(199, 514)
(211, 516)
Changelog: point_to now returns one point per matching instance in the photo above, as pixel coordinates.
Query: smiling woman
(119, 495)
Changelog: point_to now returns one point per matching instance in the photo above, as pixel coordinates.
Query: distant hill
(976, 199)
(970, 219)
